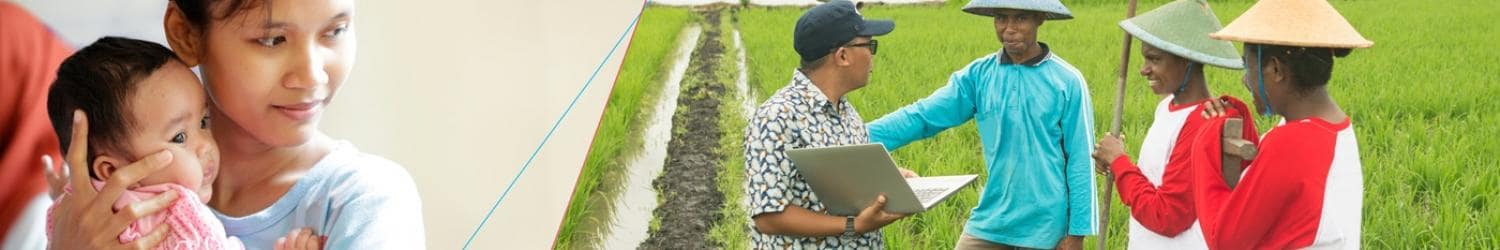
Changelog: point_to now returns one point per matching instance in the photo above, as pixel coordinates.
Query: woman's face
(273, 68)
(1163, 71)
(1267, 67)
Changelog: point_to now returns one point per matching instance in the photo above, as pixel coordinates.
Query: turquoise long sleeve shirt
(1035, 120)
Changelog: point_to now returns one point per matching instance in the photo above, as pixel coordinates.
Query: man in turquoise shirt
(1035, 121)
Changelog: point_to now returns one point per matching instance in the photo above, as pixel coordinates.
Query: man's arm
(766, 163)
(769, 179)
(1078, 133)
(947, 107)
(767, 167)
(798, 221)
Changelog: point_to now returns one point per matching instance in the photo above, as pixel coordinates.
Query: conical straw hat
(1302, 23)
(1053, 9)
(1181, 28)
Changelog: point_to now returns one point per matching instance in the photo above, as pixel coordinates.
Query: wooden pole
(1236, 150)
(1109, 180)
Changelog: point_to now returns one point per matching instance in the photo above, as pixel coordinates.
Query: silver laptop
(848, 178)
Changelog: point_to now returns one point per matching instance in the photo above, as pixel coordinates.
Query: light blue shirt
(1036, 123)
(358, 200)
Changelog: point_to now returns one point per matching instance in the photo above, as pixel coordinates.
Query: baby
(140, 99)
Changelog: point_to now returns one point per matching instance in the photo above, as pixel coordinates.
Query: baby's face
(170, 112)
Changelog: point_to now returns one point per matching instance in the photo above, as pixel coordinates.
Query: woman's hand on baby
(86, 219)
(301, 239)
(56, 179)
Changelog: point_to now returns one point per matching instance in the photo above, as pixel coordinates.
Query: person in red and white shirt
(1176, 48)
(1304, 189)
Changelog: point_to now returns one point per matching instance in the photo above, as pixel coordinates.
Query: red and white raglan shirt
(1158, 189)
(1303, 190)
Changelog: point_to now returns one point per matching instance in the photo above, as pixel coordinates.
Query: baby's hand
(301, 239)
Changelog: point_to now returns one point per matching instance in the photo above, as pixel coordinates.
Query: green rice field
(1420, 99)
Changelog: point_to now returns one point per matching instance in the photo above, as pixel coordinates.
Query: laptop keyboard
(927, 194)
(930, 190)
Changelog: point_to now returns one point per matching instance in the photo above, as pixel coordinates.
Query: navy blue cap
(827, 26)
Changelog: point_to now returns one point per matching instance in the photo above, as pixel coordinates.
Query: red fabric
(1167, 209)
(29, 56)
(1278, 202)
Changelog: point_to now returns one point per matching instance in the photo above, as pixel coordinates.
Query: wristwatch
(848, 225)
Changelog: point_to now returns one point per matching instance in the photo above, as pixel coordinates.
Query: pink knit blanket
(193, 226)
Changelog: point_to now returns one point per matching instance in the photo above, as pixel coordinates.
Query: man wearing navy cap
(836, 47)
(1035, 119)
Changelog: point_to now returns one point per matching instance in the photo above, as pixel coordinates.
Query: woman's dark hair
(99, 79)
(201, 12)
(1311, 67)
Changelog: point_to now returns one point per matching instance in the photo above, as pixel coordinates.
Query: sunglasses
(873, 45)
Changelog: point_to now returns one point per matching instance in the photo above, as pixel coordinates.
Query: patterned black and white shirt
(797, 116)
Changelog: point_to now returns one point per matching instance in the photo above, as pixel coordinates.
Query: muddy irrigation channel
(670, 198)
(632, 209)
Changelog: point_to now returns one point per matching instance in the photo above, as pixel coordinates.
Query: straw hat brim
(1179, 50)
(1053, 9)
(1302, 23)
(1181, 28)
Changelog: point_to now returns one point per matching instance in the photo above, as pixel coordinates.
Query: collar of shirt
(1033, 62)
(815, 95)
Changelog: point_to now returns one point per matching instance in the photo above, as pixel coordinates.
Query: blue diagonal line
(559, 121)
